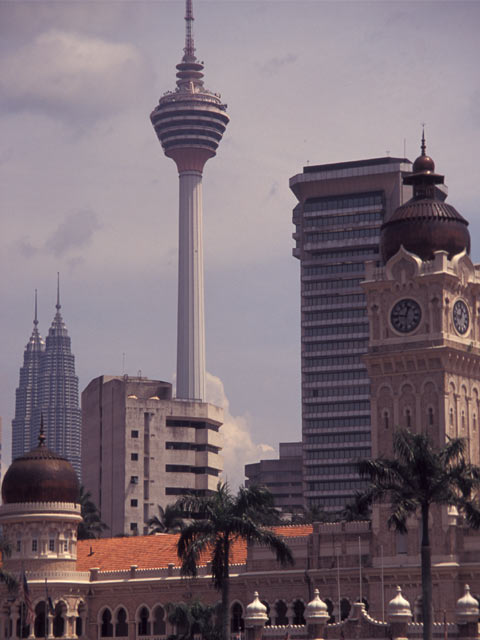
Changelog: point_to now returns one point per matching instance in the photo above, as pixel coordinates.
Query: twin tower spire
(48, 387)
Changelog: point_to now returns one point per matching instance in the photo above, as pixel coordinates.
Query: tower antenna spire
(189, 45)
(58, 305)
(35, 319)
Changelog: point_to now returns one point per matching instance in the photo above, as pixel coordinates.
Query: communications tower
(189, 123)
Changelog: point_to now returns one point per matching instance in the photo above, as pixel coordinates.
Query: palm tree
(169, 520)
(219, 520)
(418, 477)
(7, 578)
(91, 525)
(192, 619)
(357, 509)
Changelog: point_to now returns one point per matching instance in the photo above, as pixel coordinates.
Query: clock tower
(423, 358)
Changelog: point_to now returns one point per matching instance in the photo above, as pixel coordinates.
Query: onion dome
(425, 223)
(467, 607)
(399, 608)
(317, 610)
(256, 611)
(40, 475)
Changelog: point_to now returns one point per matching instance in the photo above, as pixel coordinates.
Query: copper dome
(425, 224)
(40, 475)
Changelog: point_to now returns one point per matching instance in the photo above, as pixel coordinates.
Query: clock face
(460, 317)
(406, 315)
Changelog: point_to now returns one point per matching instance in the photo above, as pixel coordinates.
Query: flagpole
(383, 586)
(338, 588)
(46, 611)
(360, 566)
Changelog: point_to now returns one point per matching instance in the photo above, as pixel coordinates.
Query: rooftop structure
(190, 122)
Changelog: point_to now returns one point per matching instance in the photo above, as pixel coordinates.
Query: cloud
(239, 448)
(72, 75)
(75, 232)
(274, 65)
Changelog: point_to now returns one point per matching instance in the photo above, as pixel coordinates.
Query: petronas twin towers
(48, 389)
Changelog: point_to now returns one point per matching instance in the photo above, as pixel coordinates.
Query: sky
(85, 189)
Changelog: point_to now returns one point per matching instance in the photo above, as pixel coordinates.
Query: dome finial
(35, 319)
(58, 305)
(424, 146)
(41, 435)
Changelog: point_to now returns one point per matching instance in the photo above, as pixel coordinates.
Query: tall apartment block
(48, 388)
(145, 449)
(340, 210)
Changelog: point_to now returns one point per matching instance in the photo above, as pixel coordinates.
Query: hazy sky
(86, 190)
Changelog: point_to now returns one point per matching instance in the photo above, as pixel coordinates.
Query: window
(51, 545)
(430, 416)
(134, 456)
(134, 502)
(134, 433)
(133, 526)
(409, 418)
(65, 546)
(34, 545)
(385, 419)
(143, 622)
(19, 546)
(121, 626)
(134, 479)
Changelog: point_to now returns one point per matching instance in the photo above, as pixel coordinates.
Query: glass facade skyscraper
(337, 225)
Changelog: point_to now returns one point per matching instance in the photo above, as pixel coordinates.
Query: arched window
(408, 418)
(451, 416)
(23, 630)
(58, 621)
(365, 602)
(329, 604)
(237, 623)
(78, 626)
(430, 416)
(281, 613)
(298, 611)
(40, 625)
(159, 621)
(106, 629)
(121, 626)
(385, 419)
(143, 622)
(269, 621)
(345, 607)
(474, 421)
(463, 420)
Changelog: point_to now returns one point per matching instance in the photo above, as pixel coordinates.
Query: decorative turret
(467, 608)
(424, 224)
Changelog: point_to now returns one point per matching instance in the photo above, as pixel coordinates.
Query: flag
(29, 614)
(48, 601)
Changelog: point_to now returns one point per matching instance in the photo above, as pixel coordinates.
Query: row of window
(336, 330)
(336, 454)
(326, 269)
(335, 407)
(145, 625)
(342, 235)
(335, 345)
(191, 446)
(337, 438)
(63, 545)
(337, 501)
(185, 468)
(181, 491)
(192, 424)
(344, 202)
(334, 485)
(329, 392)
(332, 470)
(335, 376)
(344, 220)
(340, 253)
(350, 283)
(338, 299)
(335, 423)
(329, 361)
(335, 314)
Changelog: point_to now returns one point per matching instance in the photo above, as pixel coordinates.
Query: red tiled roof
(153, 552)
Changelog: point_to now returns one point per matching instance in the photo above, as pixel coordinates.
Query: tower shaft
(191, 313)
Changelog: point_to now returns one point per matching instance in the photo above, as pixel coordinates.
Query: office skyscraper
(26, 395)
(190, 122)
(341, 208)
(48, 387)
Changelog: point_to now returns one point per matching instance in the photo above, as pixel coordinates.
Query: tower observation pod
(190, 122)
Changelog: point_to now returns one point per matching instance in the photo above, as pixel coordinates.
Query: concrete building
(190, 122)
(282, 476)
(145, 449)
(48, 388)
(340, 210)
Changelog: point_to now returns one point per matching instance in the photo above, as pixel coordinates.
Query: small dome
(399, 607)
(425, 224)
(256, 611)
(316, 609)
(40, 475)
(467, 607)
